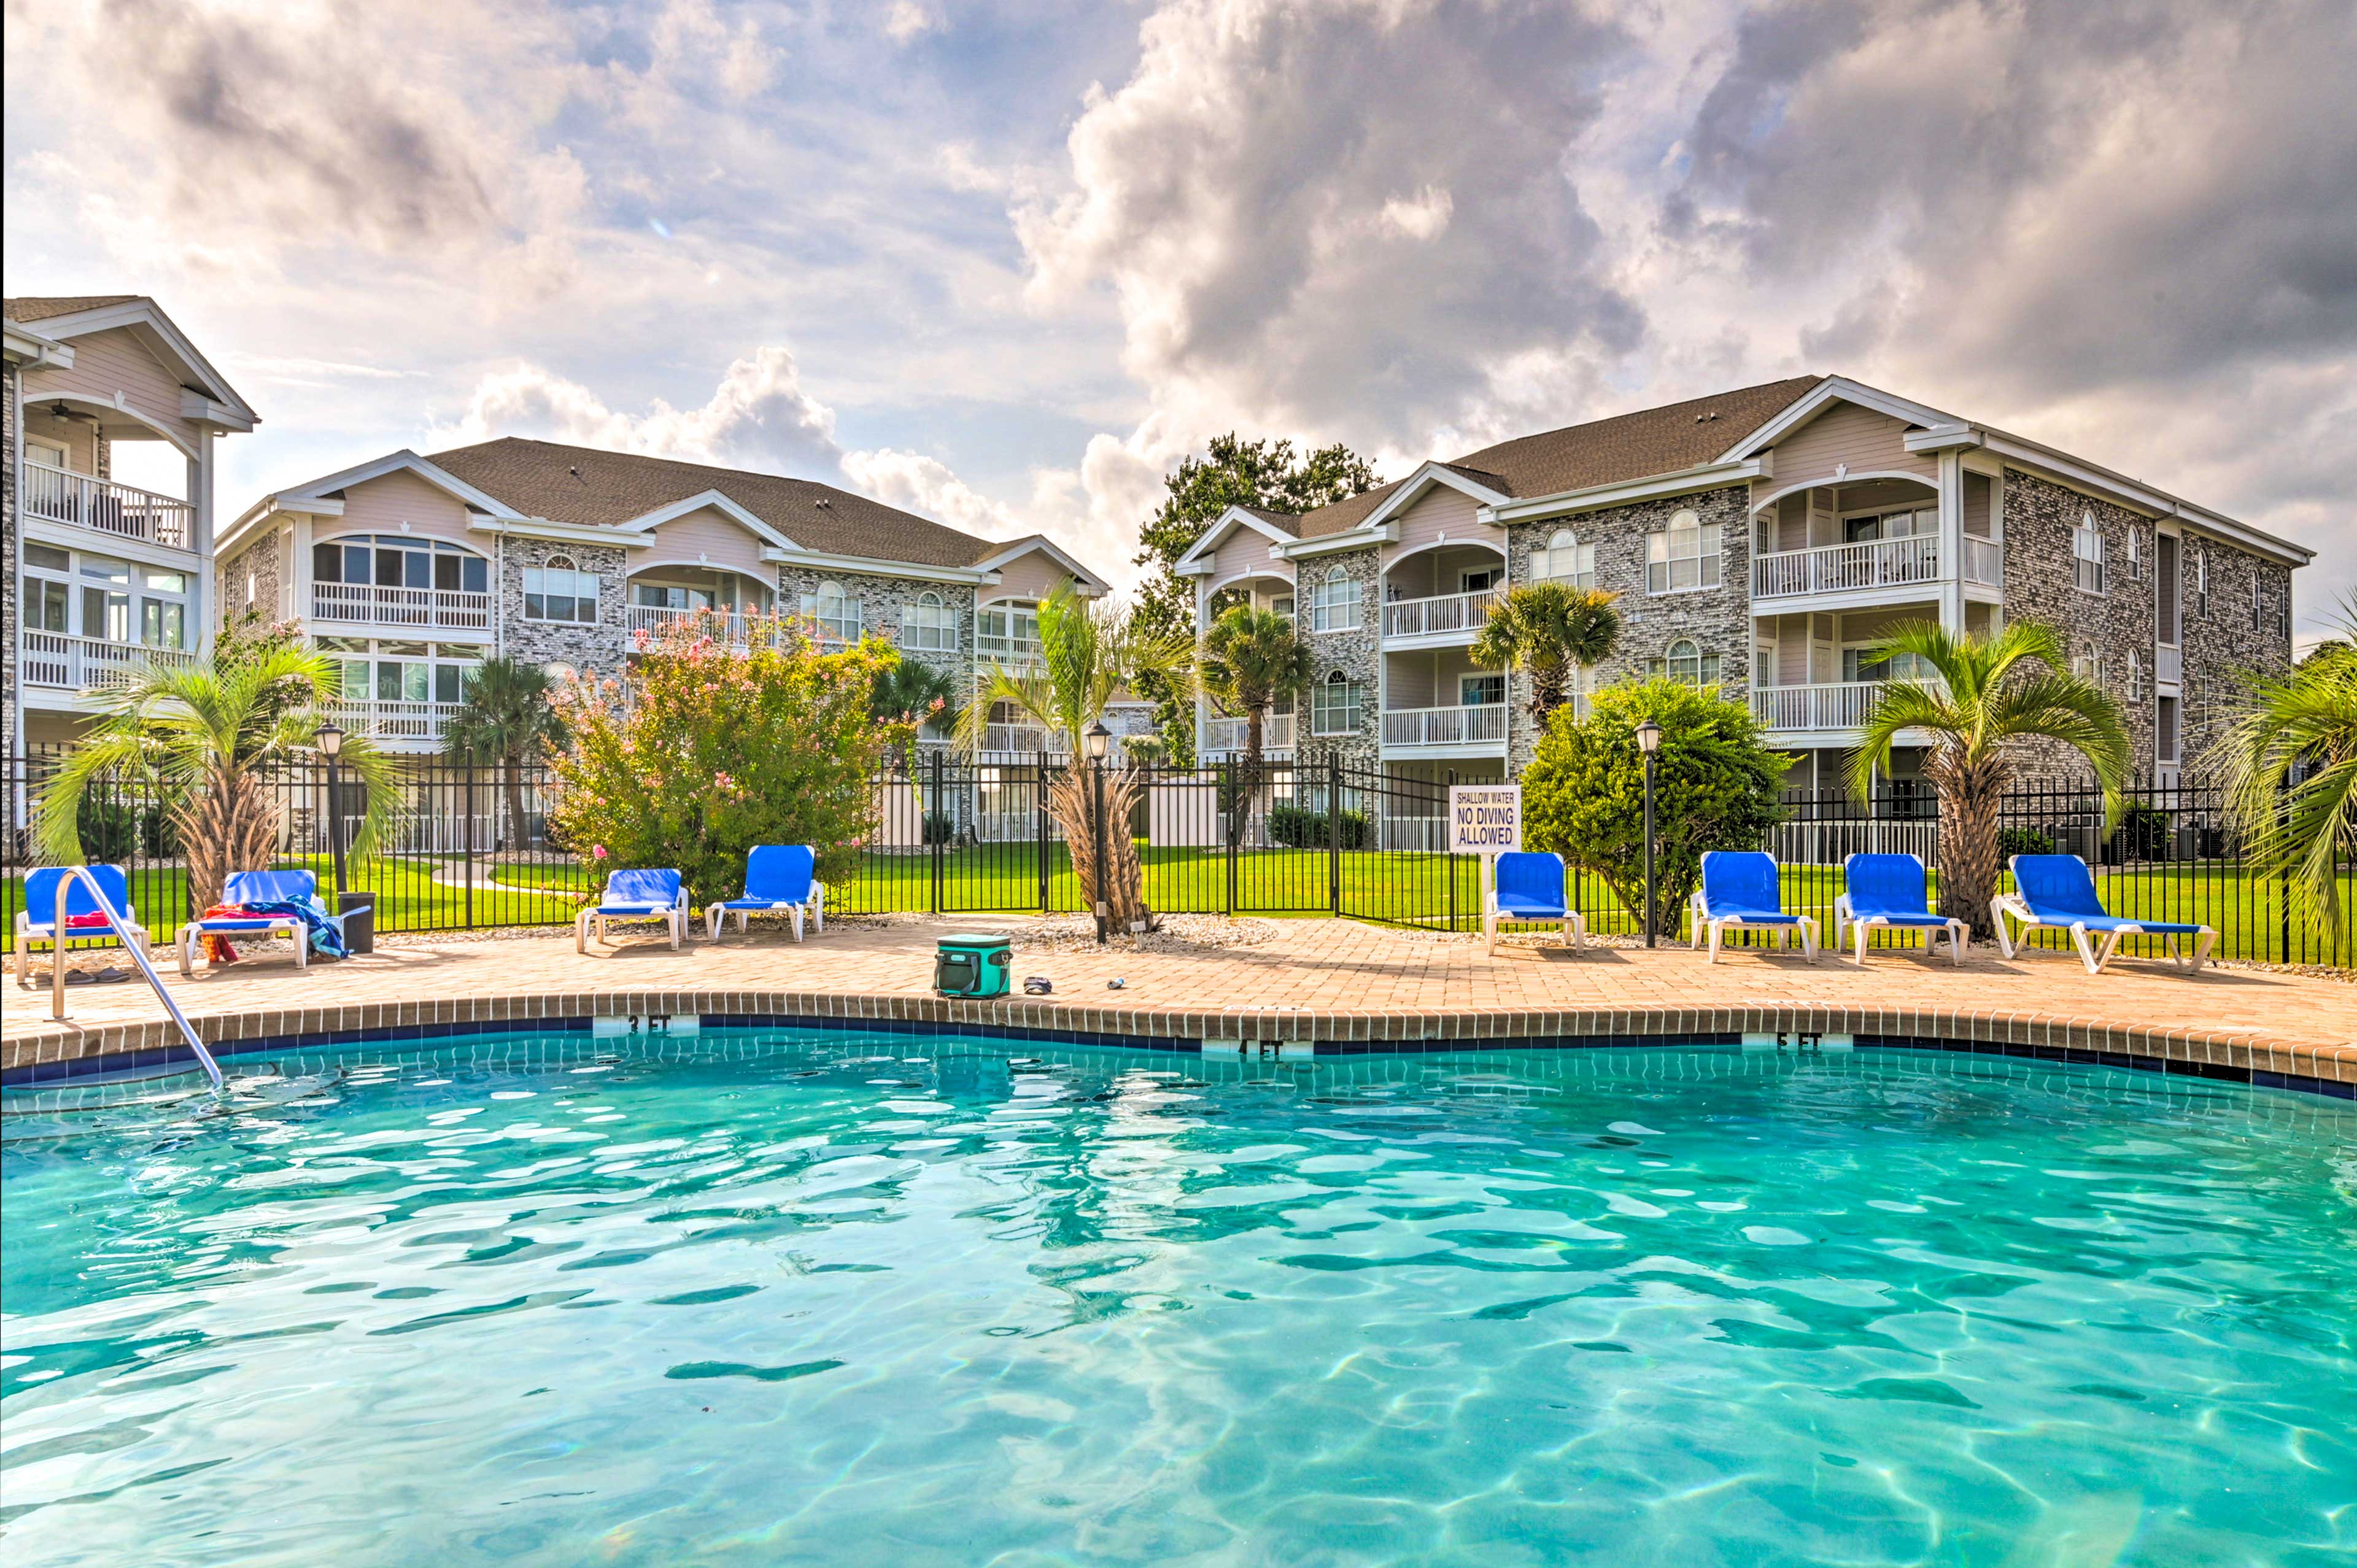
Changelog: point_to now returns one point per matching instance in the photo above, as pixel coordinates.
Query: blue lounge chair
(2058, 890)
(635, 895)
(1531, 886)
(1741, 891)
(778, 878)
(252, 888)
(37, 921)
(1890, 891)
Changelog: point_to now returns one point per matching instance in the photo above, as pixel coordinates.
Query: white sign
(1485, 819)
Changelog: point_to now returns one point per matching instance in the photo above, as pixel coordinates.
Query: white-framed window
(1480, 691)
(669, 597)
(2087, 554)
(48, 589)
(1858, 665)
(2136, 676)
(2254, 604)
(2201, 583)
(47, 453)
(1478, 579)
(2088, 664)
(1334, 601)
(397, 560)
(1683, 556)
(836, 612)
(557, 590)
(163, 607)
(1008, 634)
(1567, 559)
(370, 671)
(930, 626)
(1685, 662)
(105, 597)
(2136, 554)
(1337, 705)
(1914, 522)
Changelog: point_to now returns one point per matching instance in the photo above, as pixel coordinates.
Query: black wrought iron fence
(470, 848)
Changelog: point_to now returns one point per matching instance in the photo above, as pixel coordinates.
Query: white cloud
(907, 19)
(1422, 216)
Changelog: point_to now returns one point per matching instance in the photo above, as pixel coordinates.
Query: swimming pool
(785, 1297)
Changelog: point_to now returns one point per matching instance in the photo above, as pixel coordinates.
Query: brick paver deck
(1315, 980)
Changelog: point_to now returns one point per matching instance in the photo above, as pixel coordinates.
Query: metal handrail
(138, 956)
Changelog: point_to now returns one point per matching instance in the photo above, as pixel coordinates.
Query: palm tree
(2289, 763)
(1090, 652)
(1991, 696)
(912, 692)
(506, 722)
(208, 735)
(1549, 631)
(1253, 660)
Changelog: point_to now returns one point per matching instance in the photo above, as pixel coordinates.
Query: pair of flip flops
(109, 976)
(1038, 986)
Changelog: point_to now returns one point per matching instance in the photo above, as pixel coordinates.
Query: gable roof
(41, 308)
(615, 490)
(155, 330)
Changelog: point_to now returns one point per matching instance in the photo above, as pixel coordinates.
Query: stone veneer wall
(600, 647)
(2225, 643)
(883, 608)
(2041, 584)
(1717, 620)
(259, 560)
(1357, 654)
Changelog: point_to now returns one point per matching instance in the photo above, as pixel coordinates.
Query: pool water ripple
(824, 1298)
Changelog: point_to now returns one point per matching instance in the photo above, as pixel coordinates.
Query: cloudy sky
(1004, 263)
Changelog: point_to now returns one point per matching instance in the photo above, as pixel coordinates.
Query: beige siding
(1409, 681)
(107, 363)
(78, 439)
(1246, 550)
(1439, 511)
(382, 505)
(1028, 577)
(1846, 434)
(721, 540)
(1792, 651)
(1979, 489)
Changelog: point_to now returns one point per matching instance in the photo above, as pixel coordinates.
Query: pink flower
(597, 849)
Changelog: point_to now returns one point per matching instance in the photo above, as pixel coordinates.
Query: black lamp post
(1648, 741)
(1100, 741)
(330, 741)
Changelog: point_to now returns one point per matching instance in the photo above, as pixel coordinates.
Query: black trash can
(359, 910)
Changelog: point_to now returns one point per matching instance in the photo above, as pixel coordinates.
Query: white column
(206, 611)
(1952, 541)
(1203, 702)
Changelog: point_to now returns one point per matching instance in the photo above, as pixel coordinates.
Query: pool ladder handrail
(58, 939)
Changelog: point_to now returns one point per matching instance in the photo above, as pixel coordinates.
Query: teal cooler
(973, 964)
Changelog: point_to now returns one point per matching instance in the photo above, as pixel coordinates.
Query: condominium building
(412, 570)
(101, 576)
(1761, 538)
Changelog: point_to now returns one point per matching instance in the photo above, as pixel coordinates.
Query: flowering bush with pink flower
(702, 751)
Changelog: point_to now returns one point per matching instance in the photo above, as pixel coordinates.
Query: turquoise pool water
(766, 1298)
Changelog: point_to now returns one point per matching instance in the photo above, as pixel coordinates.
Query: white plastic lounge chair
(256, 887)
(1891, 892)
(778, 878)
(2059, 891)
(1531, 886)
(1740, 891)
(635, 895)
(37, 921)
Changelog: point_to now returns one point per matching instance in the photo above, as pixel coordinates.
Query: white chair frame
(717, 915)
(1714, 928)
(2092, 953)
(1574, 923)
(1960, 936)
(29, 931)
(280, 926)
(675, 919)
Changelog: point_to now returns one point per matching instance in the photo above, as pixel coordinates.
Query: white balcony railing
(80, 663)
(1440, 615)
(725, 626)
(1224, 735)
(1983, 562)
(1846, 568)
(1839, 706)
(120, 509)
(369, 605)
(395, 721)
(1015, 653)
(1026, 740)
(1484, 724)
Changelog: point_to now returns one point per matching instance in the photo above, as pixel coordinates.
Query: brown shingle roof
(41, 308)
(582, 484)
(1602, 452)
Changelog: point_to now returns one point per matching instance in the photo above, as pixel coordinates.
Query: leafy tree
(1090, 652)
(507, 721)
(915, 693)
(1253, 659)
(1232, 472)
(1993, 696)
(1548, 630)
(2289, 763)
(1715, 786)
(208, 735)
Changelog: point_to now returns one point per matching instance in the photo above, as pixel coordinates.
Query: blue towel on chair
(323, 931)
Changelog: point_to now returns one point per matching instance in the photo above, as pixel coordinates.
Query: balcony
(1840, 706)
(1846, 568)
(53, 659)
(121, 511)
(1425, 729)
(731, 626)
(1024, 740)
(1015, 653)
(387, 720)
(367, 604)
(1983, 562)
(1224, 736)
(1451, 616)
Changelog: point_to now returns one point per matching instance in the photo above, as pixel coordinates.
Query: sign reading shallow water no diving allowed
(1485, 819)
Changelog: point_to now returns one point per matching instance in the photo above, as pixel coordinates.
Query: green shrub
(2142, 833)
(2022, 841)
(109, 830)
(939, 828)
(1298, 827)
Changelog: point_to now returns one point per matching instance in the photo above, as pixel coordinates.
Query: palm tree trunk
(1072, 800)
(1547, 687)
(1969, 805)
(229, 825)
(1254, 758)
(515, 802)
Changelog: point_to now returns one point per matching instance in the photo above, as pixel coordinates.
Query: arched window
(1683, 556)
(1337, 705)
(2202, 583)
(2089, 664)
(1687, 663)
(836, 612)
(1564, 560)
(556, 590)
(930, 626)
(2136, 554)
(2135, 677)
(1334, 601)
(2087, 554)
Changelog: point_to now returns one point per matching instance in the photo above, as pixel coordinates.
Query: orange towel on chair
(216, 948)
